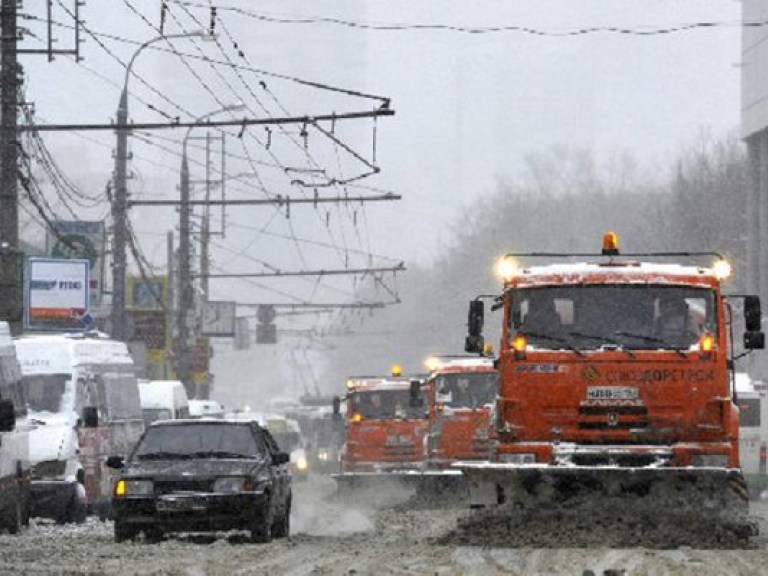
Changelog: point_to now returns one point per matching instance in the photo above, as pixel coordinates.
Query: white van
(14, 439)
(752, 399)
(83, 404)
(163, 400)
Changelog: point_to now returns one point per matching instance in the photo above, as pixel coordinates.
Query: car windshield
(45, 391)
(387, 405)
(466, 389)
(198, 441)
(629, 317)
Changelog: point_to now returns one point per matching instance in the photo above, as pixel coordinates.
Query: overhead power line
(435, 27)
(244, 122)
(279, 273)
(279, 201)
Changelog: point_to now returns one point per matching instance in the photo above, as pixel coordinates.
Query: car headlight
(232, 484)
(322, 455)
(124, 487)
(709, 460)
(522, 458)
(301, 463)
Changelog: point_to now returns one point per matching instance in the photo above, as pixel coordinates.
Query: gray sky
(469, 107)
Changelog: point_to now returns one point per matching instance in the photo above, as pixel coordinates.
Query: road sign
(218, 318)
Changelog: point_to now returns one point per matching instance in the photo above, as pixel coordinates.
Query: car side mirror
(90, 417)
(752, 314)
(7, 415)
(115, 462)
(282, 458)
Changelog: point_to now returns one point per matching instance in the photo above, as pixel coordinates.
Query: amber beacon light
(610, 244)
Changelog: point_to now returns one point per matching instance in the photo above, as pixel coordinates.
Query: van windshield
(45, 391)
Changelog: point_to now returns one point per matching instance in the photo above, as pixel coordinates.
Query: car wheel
(261, 527)
(124, 532)
(153, 535)
(77, 511)
(282, 528)
(15, 520)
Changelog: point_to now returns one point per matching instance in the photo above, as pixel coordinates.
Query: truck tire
(261, 524)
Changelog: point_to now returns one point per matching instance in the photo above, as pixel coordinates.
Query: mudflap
(647, 496)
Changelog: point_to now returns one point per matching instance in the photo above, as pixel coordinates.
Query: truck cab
(386, 425)
(462, 394)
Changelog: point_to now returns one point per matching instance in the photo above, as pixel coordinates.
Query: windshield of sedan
(198, 441)
(387, 405)
(630, 317)
(466, 389)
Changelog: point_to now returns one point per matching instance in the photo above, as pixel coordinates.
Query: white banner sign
(57, 294)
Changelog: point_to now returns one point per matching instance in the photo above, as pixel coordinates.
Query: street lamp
(120, 200)
(186, 302)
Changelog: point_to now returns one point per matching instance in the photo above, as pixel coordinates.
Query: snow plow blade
(427, 488)
(688, 493)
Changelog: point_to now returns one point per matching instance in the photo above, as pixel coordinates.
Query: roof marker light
(610, 244)
(506, 268)
(722, 269)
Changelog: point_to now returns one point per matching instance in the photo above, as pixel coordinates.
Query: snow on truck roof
(619, 271)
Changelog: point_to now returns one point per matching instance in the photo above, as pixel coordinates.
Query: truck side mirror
(91, 417)
(336, 407)
(754, 340)
(474, 341)
(7, 415)
(752, 315)
(415, 399)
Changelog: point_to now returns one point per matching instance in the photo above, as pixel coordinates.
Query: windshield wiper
(605, 339)
(218, 454)
(162, 456)
(568, 345)
(654, 339)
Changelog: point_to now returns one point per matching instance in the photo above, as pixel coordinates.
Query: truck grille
(612, 417)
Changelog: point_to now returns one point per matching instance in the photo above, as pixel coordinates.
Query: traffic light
(266, 331)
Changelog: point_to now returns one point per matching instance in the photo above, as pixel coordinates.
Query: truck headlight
(231, 485)
(709, 460)
(125, 487)
(522, 458)
(301, 463)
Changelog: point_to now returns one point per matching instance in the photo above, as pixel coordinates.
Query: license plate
(611, 393)
(179, 504)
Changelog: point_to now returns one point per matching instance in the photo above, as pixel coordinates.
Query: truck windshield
(45, 391)
(387, 405)
(630, 317)
(466, 389)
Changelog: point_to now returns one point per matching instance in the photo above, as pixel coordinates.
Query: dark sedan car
(200, 476)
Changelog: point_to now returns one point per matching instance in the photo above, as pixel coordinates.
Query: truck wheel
(261, 527)
(124, 531)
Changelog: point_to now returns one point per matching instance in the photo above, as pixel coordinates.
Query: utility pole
(10, 79)
(205, 236)
(183, 359)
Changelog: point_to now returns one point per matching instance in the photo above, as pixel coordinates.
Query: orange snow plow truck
(615, 388)
(386, 424)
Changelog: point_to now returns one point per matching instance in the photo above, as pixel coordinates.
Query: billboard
(218, 318)
(80, 240)
(147, 293)
(57, 294)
